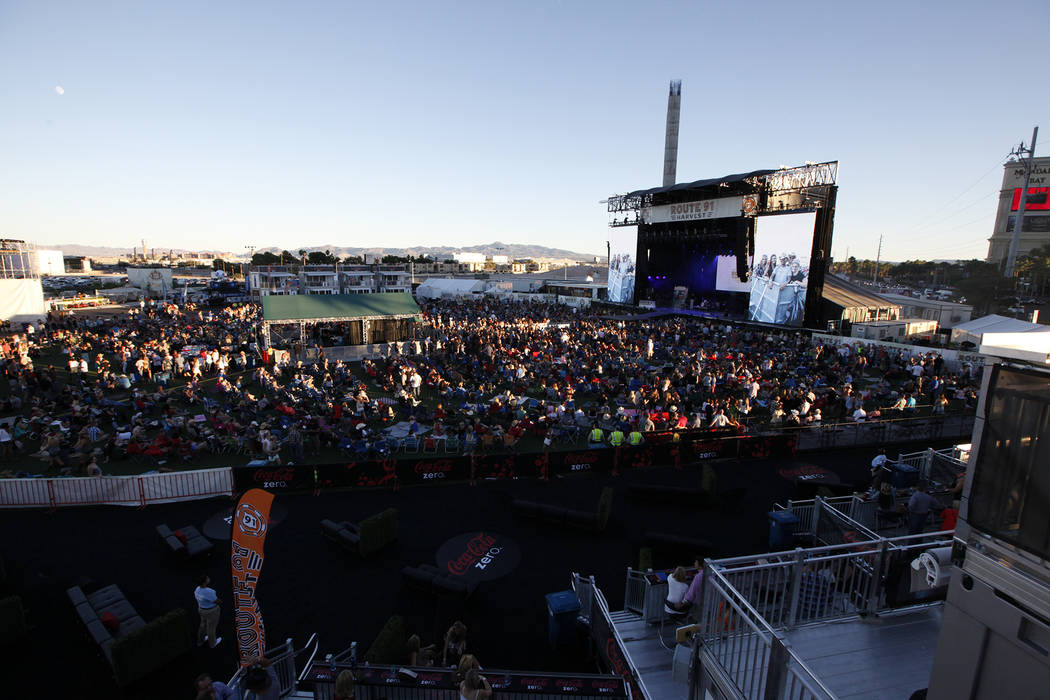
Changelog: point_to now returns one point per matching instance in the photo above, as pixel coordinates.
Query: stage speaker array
(743, 246)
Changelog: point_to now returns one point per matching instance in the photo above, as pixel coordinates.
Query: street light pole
(1011, 257)
(878, 259)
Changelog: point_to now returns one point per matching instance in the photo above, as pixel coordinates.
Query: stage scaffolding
(18, 260)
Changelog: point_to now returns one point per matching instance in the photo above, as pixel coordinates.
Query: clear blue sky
(221, 124)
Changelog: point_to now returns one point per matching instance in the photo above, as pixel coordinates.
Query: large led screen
(780, 269)
(623, 263)
(726, 279)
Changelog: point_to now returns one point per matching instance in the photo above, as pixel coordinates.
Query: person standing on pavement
(919, 506)
(208, 608)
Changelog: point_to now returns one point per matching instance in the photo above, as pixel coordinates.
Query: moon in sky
(60, 90)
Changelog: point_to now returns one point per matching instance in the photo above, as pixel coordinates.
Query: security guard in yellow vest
(635, 438)
(596, 437)
(616, 438)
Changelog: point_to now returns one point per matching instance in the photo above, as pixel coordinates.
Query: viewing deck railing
(594, 611)
(750, 603)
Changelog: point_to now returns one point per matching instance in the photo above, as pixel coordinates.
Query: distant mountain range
(511, 250)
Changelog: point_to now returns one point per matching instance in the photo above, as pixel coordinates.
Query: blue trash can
(782, 524)
(562, 609)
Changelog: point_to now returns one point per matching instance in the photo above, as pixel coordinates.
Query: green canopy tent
(368, 318)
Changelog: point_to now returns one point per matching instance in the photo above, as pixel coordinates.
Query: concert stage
(751, 246)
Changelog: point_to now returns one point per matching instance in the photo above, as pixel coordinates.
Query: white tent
(973, 331)
(22, 300)
(437, 287)
(1030, 347)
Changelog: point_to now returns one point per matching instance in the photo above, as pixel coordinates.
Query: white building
(319, 279)
(357, 280)
(1036, 229)
(947, 314)
(438, 287)
(898, 330)
(393, 281)
(50, 262)
(266, 280)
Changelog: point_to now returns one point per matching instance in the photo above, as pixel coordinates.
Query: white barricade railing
(23, 493)
(138, 490)
(187, 486)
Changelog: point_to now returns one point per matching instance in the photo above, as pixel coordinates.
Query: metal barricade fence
(282, 660)
(864, 512)
(802, 684)
(749, 601)
(599, 618)
(735, 636)
(115, 490)
(584, 588)
(645, 596)
(138, 490)
(939, 466)
(848, 434)
(634, 591)
(383, 682)
(25, 493)
(856, 514)
(834, 526)
(188, 485)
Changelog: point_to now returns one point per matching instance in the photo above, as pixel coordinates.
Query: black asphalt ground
(308, 585)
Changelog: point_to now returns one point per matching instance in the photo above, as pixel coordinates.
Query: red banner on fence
(251, 520)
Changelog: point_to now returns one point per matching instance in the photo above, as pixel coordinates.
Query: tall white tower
(674, 107)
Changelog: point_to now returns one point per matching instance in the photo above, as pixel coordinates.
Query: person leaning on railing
(261, 681)
(475, 687)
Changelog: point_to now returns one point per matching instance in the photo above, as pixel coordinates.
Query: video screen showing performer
(780, 272)
(623, 251)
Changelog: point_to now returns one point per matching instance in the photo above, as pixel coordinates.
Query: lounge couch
(595, 521)
(369, 536)
(92, 608)
(191, 543)
(134, 648)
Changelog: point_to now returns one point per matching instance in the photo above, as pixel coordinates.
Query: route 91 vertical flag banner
(251, 520)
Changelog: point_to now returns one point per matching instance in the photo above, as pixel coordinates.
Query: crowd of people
(169, 383)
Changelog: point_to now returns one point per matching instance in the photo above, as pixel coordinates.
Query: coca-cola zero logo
(479, 551)
(433, 470)
(282, 474)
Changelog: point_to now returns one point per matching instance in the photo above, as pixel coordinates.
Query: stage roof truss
(811, 181)
(804, 177)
